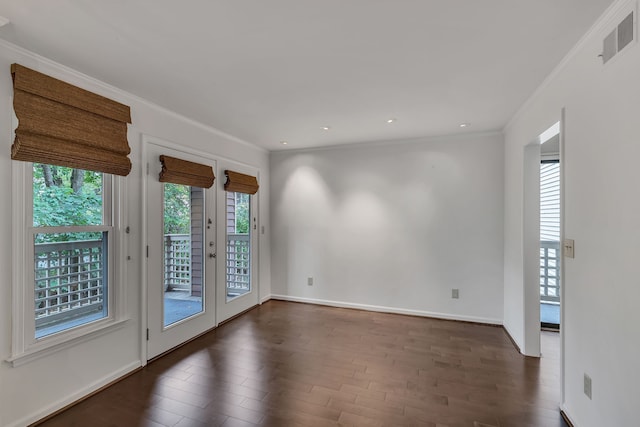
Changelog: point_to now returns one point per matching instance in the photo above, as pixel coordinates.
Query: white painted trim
(392, 142)
(144, 316)
(265, 299)
(77, 335)
(70, 399)
(563, 208)
(18, 256)
(161, 142)
(392, 310)
(518, 344)
(120, 267)
(596, 28)
(564, 409)
(530, 233)
(123, 94)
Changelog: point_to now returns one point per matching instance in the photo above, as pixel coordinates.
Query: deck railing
(70, 277)
(70, 281)
(177, 262)
(238, 264)
(550, 271)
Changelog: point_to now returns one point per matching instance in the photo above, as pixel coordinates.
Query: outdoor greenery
(64, 196)
(242, 213)
(177, 209)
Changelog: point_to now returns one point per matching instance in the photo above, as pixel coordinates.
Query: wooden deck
(289, 364)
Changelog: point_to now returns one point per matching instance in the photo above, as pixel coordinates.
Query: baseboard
(80, 395)
(513, 341)
(566, 417)
(265, 299)
(384, 309)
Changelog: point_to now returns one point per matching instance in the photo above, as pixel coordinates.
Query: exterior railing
(550, 271)
(70, 277)
(238, 264)
(69, 280)
(177, 262)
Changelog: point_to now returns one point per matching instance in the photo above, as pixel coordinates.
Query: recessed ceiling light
(326, 127)
(464, 125)
(391, 120)
(283, 142)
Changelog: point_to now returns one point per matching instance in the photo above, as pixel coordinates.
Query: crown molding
(599, 26)
(120, 93)
(394, 142)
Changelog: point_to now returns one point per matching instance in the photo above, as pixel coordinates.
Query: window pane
(70, 280)
(238, 260)
(183, 252)
(65, 197)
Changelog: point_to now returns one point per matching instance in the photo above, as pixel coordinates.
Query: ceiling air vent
(618, 39)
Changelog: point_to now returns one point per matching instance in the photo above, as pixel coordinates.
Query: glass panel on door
(238, 254)
(183, 237)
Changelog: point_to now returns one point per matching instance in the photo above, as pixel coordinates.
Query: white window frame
(25, 347)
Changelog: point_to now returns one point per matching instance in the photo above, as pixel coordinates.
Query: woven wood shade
(240, 182)
(177, 171)
(64, 125)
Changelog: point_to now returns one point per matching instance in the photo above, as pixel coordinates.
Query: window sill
(64, 341)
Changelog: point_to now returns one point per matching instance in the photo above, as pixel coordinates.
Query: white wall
(392, 226)
(37, 388)
(601, 213)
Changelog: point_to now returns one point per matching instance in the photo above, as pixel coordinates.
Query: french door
(181, 250)
(237, 284)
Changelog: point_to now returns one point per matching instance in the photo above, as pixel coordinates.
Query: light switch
(568, 248)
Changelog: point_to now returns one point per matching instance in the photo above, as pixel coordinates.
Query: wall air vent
(618, 39)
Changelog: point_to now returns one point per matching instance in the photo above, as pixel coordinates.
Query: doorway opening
(550, 251)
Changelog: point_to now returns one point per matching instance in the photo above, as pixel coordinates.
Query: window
(71, 212)
(64, 272)
(63, 219)
(183, 221)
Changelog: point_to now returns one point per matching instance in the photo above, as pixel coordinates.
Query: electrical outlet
(587, 385)
(455, 293)
(568, 247)
(310, 281)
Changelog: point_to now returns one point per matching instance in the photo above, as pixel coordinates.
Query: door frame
(531, 224)
(209, 300)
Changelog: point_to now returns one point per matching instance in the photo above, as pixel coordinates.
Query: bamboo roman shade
(240, 182)
(64, 125)
(178, 171)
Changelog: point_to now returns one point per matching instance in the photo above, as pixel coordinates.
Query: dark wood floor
(288, 364)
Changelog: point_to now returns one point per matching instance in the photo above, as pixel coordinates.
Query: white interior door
(181, 247)
(237, 285)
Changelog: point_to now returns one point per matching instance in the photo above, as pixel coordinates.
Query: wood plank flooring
(288, 364)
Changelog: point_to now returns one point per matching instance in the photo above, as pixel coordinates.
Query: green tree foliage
(242, 213)
(66, 197)
(177, 209)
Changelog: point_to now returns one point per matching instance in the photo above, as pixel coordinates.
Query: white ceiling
(272, 70)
